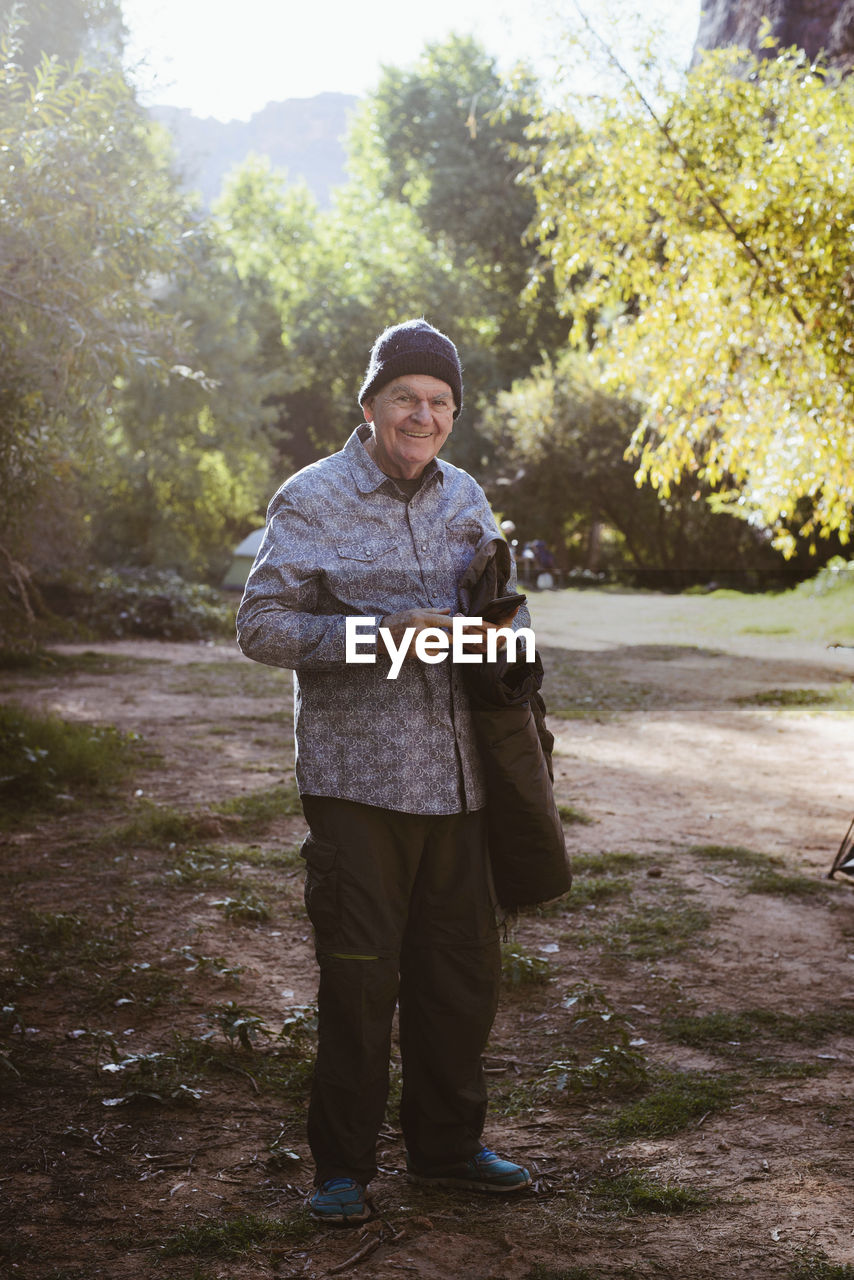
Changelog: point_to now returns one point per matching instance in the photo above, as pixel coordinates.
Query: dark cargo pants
(403, 912)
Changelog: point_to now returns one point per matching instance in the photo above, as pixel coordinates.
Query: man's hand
(420, 619)
(472, 645)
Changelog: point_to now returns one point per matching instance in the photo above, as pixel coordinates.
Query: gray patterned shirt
(341, 540)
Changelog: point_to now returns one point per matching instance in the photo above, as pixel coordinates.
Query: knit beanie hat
(413, 347)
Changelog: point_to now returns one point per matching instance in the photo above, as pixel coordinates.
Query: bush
(155, 603)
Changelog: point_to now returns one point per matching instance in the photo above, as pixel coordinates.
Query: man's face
(412, 418)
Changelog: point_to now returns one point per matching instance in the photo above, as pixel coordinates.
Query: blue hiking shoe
(484, 1172)
(340, 1200)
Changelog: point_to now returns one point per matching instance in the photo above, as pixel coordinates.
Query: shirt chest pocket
(357, 567)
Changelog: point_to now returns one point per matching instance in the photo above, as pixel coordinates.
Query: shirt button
(423, 546)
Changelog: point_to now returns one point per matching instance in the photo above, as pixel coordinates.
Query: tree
(707, 241)
(560, 441)
(335, 278)
(92, 30)
(445, 137)
(112, 295)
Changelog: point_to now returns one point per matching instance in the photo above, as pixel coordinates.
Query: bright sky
(228, 59)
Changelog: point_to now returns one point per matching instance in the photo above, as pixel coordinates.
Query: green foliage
(44, 758)
(569, 814)
(722, 1028)
(708, 249)
(247, 909)
(160, 604)
(519, 967)
(259, 809)
(131, 420)
(562, 436)
(89, 29)
(443, 137)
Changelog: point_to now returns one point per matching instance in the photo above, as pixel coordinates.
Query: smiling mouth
(420, 435)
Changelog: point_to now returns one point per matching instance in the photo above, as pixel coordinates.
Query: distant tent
(244, 554)
(844, 860)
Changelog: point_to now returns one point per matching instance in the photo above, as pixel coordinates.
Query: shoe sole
(466, 1184)
(341, 1219)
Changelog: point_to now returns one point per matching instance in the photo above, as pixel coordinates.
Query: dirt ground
(672, 1058)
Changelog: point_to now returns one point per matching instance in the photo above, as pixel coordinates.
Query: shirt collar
(367, 474)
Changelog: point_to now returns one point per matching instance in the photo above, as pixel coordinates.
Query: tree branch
(767, 271)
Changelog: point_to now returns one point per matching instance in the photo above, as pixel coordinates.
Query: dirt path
(696, 990)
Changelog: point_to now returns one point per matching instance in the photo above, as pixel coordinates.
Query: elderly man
(398, 887)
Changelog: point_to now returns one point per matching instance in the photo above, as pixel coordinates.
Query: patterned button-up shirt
(342, 540)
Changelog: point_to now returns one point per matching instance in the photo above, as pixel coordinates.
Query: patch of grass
(155, 826)
(721, 1028)
(653, 932)
(238, 1236)
(676, 1099)
(594, 890)
(735, 854)
(520, 967)
(569, 814)
(600, 864)
(259, 809)
(774, 882)
(48, 938)
(634, 1192)
(789, 698)
(44, 758)
(49, 662)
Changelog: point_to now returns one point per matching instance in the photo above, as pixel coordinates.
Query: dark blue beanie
(413, 347)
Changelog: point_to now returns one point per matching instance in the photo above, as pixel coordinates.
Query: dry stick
(762, 266)
(359, 1256)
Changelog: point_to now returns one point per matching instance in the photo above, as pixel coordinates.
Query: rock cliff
(816, 26)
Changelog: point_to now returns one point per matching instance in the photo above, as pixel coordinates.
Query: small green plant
(618, 1062)
(217, 966)
(633, 1192)
(150, 1077)
(201, 866)
(519, 967)
(238, 1024)
(247, 909)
